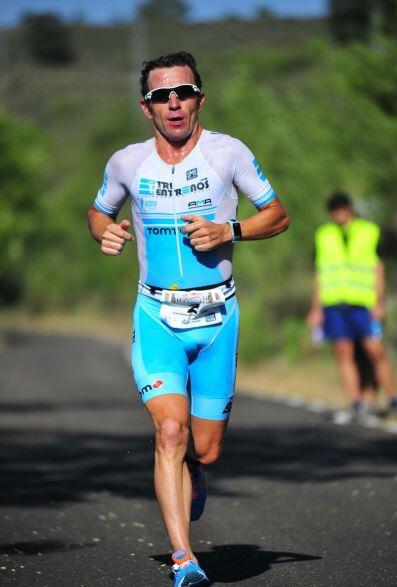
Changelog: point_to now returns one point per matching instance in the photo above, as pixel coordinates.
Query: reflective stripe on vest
(347, 269)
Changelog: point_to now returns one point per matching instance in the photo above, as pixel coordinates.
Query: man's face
(341, 216)
(176, 119)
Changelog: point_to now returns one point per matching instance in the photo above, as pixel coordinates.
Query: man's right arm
(108, 232)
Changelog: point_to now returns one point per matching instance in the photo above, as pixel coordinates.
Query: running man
(183, 185)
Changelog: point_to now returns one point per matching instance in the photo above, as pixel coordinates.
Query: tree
(358, 20)
(171, 10)
(47, 39)
(350, 20)
(21, 158)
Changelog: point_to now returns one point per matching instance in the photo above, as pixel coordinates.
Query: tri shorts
(196, 362)
(345, 321)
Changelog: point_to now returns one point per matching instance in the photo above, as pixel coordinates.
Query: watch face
(237, 231)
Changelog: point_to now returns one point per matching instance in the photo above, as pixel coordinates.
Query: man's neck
(173, 153)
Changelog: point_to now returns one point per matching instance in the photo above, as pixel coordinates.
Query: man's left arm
(205, 235)
(378, 311)
(271, 218)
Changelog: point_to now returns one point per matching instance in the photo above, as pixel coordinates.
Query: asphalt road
(294, 501)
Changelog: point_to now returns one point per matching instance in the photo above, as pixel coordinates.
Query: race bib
(191, 309)
(195, 316)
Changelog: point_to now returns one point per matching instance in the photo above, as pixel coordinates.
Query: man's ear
(146, 109)
(201, 101)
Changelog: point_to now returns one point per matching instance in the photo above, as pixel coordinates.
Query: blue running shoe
(186, 571)
(199, 490)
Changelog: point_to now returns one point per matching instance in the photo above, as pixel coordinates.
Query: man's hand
(115, 237)
(205, 235)
(378, 311)
(315, 317)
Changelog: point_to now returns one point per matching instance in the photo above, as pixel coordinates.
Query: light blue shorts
(197, 362)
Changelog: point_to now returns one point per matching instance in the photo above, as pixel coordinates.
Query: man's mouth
(176, 120)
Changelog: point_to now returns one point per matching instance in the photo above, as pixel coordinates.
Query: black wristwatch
(235, 229)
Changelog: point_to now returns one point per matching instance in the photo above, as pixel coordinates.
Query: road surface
(294, 501)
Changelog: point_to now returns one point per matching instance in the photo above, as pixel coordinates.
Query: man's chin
(177, 135)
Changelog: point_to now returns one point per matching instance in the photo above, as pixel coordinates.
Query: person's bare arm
(378, 311)
(108, 232)
(315, 316)
(206, 235)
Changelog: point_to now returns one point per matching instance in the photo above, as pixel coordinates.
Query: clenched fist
(205, 235)
(115, 237)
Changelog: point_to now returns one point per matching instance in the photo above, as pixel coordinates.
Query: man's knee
(208, 455)
(375, 350)
(171, 435)
(344, 350)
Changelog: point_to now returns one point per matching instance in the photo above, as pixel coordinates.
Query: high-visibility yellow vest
(346, 268)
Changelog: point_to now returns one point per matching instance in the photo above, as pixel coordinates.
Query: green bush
(22, 154)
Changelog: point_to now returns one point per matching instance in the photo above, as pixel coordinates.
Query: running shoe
(199, 490)
(349, 416)
(186, 571)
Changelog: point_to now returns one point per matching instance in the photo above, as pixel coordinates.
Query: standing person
(348, 296)
(183, 185)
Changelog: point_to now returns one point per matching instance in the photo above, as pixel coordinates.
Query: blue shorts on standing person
(346, 321)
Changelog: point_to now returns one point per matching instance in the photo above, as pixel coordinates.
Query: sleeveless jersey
(205, 183)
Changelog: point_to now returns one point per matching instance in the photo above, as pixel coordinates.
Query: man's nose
(174, 102)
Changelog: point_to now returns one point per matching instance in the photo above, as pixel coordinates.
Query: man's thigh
(159, 361)
(213, 372)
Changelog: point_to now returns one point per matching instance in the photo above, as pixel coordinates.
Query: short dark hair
(172, 60)
(338, 200)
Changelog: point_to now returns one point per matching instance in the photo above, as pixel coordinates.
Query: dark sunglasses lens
(185, 92)
(160, 96)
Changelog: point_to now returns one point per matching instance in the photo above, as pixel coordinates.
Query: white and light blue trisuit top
(204, 183)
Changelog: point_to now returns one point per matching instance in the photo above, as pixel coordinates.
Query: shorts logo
(228, 407)
(155, 385)
(191, 174)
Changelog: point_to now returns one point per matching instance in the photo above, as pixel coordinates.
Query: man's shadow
(235, 562)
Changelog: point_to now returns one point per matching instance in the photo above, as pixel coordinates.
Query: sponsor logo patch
(200, 203)
(148, 203)
(155, 385)
(191, 174)
(210, 317)
(146, 186)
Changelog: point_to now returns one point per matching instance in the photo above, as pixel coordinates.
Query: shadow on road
(235, 562)
(71, 429)
(48, 467)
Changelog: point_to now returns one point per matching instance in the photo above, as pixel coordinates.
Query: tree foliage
(47, 39)
(21, 157)
(360, 20)
(158, 10)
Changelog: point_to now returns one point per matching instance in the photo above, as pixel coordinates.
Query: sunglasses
(162, 95)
